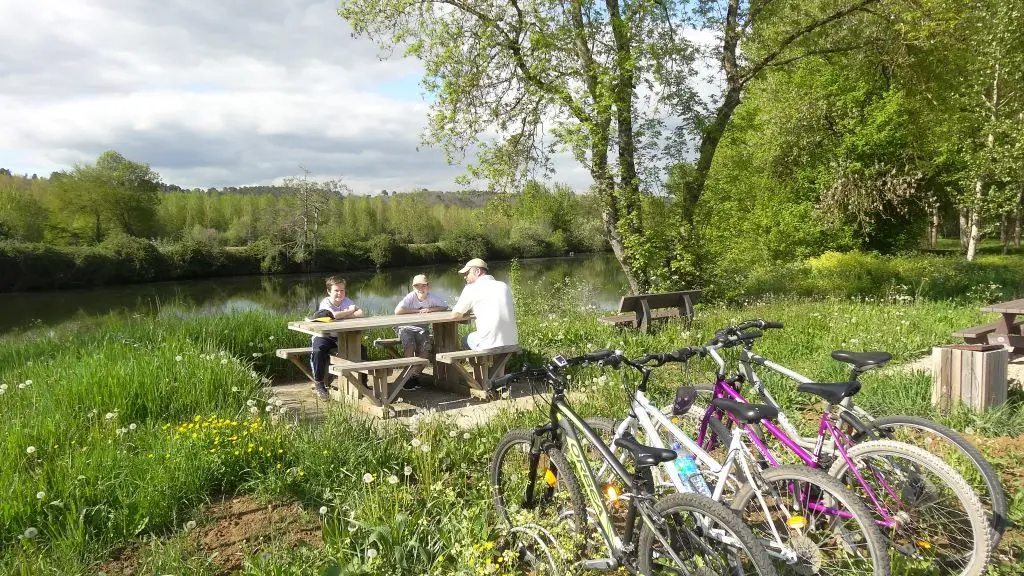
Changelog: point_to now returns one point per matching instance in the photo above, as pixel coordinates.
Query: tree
(593, 72)
(114, 194)
(310, 201)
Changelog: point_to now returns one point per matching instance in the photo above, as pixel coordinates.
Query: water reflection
(377, 292)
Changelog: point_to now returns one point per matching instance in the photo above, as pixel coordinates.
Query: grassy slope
(191, 388)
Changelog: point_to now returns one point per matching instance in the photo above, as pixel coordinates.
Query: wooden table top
(368, 322)
(1011, 307)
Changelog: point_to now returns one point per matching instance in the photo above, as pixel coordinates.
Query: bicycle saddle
(834, 392)
(746, 413)
(862, 360)
(644, 455)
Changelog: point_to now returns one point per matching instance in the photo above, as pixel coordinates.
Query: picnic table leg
(1005, 323)
(446, 339)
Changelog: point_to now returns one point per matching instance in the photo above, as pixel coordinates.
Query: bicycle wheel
(555, 502)
(823, 528)
(940, 522)
(707, 537)
(959, 453)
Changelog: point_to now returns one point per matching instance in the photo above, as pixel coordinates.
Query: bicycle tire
(759, 562)
(809, 551)
(922, 539)
(566, 489)
(990, 491)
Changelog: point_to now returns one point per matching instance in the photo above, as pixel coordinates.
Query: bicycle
(806, 520)
(681, 533)
(921, 432)
(910, 515)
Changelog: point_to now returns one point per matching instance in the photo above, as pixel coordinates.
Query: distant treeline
(115, 222)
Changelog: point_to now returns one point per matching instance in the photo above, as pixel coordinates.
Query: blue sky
(230, 92)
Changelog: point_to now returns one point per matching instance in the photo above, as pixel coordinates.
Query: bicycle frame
(644, 413)
(563, 430)
(826, 426)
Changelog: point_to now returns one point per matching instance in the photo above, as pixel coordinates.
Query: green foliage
(381, 249)
(138, 260)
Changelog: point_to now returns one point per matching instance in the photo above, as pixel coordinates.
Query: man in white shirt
(490, 301)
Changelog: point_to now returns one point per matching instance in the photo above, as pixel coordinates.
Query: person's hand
(424, 310)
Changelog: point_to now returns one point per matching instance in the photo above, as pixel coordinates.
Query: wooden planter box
(972, 374)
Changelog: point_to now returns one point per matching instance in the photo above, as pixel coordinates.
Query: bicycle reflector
(685, 397)
(550, 478)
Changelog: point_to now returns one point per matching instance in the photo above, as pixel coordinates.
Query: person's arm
(464, 305)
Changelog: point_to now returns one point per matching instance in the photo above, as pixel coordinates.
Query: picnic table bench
(639, 310)
(379, 391)
(1005, 331)
(487, 364)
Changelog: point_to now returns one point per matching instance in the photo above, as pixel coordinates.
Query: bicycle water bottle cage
(685, 397)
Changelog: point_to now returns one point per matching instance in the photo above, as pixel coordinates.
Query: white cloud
(213, 93)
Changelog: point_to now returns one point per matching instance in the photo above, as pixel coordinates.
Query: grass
(130, 424)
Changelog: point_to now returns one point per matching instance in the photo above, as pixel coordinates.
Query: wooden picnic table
(1007, 328)
(349, 333)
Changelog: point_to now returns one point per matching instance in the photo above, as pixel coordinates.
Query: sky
(214, 93)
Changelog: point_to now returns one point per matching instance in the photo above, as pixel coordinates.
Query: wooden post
(972, 374)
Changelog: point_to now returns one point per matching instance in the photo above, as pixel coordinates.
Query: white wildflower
(252, 343)
(223, 360)
(453, 433)
(371, 553)
(254, 410)
(367, 478)
(465, 435)
(425, 448)
(40, 495)
(323, 510)
(408, 470)
(109, 416)
(392, 479)
(21, 386)
(270, 338)
(191, 524)
(278, 402)
(133, 426)
(250, 402)
(256, 354)
(284, 410)
(269, 407)
(234, 388)
(30, 450)
(178, 358)
(31, 533)
(28, 382)
(415, 442)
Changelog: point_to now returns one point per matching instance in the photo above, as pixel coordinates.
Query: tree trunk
(1016, 223)
(935, 223)
(975, 222)
(964, 215)
(1004, 237)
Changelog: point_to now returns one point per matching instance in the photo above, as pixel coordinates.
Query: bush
(30, 266)
(381, 249)
(138, 259)
(192, 259)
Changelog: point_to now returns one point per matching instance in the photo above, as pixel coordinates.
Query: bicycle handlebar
(605, 357)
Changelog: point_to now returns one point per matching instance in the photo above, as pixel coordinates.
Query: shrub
(138, 259)
(381, 249)
(191, 259)
(465, 243)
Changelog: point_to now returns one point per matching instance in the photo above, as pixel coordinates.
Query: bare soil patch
(232, 530)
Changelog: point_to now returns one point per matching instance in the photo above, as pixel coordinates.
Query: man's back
(491, 302)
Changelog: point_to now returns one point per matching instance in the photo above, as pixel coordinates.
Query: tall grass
(135, 422)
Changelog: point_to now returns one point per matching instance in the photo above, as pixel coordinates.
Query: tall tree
(114, 194)
(518, 80)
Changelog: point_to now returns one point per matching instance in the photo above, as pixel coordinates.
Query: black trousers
(321, 356)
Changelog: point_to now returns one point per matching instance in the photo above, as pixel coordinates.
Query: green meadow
(118, 430)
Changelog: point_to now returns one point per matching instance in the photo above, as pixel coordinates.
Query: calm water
(376, 292)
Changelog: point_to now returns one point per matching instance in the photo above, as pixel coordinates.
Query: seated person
(415, 339)
(491, 302)
(340, 306)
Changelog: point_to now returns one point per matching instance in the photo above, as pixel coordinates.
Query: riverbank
(125, 260)
(120, 430)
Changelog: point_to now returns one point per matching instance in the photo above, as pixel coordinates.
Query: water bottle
(686, 465)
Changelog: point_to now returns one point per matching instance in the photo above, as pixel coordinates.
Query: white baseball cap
(420, 279)
(474, 263)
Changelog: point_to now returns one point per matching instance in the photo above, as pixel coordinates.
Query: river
(377, 292)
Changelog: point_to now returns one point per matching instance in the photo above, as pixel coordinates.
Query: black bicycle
(545, 478)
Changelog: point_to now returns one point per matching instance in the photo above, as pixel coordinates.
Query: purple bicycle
(931, 517)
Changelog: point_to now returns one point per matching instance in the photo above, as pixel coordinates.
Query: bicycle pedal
(600, 564)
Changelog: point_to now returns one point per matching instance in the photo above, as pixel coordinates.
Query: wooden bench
(638, 311)
(379, 392)
(983, 334)
(392, 347)
(293, 354)
(487, 365)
